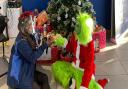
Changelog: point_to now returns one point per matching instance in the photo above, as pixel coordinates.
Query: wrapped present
(99, 38)
(55, 53)
(67, 58)
(49, 27)
(40, 28)
(42, 18)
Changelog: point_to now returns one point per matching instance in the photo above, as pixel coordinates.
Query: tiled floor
(112, 64)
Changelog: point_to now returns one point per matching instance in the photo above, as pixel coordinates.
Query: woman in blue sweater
(21, 71)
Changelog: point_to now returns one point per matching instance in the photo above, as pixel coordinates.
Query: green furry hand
(60, 41)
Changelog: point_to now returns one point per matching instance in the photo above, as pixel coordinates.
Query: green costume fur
(84, 28)
(60, 41)
(63, 72)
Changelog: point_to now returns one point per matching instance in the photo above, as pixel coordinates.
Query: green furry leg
(77, 75)
(63, 72)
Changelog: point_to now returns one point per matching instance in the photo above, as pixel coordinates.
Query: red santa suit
(83, 58)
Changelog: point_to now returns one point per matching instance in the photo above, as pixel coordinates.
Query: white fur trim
(73, 64)
(77, 63)
(81, 69)
(77, 55)
(82, 87)
(73, 84)
(65, 43)
(93, 77)
(100, 86)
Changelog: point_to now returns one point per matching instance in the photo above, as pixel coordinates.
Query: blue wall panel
(30, 5)
(103, 12)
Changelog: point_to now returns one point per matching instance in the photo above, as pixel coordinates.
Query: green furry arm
(60, 41)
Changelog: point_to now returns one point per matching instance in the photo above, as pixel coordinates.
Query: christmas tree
(63, 13)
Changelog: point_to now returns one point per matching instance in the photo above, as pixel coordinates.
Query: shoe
(103, 82)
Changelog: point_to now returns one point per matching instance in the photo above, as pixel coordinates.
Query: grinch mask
(84, 28)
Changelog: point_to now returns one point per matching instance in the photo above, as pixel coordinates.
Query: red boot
(103, 82)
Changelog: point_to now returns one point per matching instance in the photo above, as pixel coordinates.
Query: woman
(21, 75)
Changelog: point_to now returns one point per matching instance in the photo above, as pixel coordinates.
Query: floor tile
(4, 86)
(123, 55)
(3, 81)
(105, 56)
(125, 65)
(3, 66)
(123, 47)
(111, 67)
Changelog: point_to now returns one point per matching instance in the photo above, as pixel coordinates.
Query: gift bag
(100, 38)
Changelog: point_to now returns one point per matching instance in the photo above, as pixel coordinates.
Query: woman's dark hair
(24, 21)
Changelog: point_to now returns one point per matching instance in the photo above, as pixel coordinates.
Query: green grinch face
(84, 28)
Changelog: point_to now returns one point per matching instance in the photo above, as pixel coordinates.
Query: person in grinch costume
(82, 68)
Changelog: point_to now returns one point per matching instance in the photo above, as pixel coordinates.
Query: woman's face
(29, 27)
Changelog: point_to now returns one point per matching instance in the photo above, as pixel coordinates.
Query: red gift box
(66, 58)
(41, 28)
(100, 38)
(42, 18)
(55, 53)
